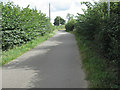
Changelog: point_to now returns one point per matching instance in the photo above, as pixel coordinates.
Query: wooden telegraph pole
(109, 8)
(49, 12)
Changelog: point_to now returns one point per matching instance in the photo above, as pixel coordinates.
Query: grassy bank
(12, 54)
(99, 73)
(61, 27)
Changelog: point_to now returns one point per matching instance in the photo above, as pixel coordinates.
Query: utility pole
(49, 12)
(109, 8)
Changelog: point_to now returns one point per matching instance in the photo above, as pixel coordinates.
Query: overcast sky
(58, 7)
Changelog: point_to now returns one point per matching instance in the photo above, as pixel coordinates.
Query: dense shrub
(22, 25)
(70, 25)
(103, 32)
(108, 39)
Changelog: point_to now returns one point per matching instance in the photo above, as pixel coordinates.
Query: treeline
(20, 26)
(103, 34)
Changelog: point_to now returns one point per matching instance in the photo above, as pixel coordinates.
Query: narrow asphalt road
(53, 64)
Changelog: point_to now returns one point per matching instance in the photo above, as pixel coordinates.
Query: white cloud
(58, 7)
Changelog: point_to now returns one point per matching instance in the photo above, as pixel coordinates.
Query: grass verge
(61, 27)
(12, 54)
(99, 74)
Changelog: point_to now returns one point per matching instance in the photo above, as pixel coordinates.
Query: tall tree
(58, 20)
(69, 16)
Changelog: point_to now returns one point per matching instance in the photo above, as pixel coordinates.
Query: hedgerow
(70, 25)
(103, 32)
(20, 26)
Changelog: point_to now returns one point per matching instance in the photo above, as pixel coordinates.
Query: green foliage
(58, 20)
(61, 27)
(102, 32)
(12, 54)
(98, 73)
(96, 26)
(70, 25)
(22, 25)
(69, 16)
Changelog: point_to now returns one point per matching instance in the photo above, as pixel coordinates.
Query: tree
(58, 20)
(70, 25)
(69, 16)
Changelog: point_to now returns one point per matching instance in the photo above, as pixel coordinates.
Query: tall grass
(99, 73)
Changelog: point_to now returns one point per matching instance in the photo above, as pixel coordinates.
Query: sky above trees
(58, 7)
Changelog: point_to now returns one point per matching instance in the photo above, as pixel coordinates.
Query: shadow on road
(58, 67)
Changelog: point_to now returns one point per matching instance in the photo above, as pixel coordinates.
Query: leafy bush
(22, 25)
(70, 25)
(108, 39)
(103, 32)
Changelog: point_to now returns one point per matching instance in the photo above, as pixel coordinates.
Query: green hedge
(22, 25)
(103, 33)
(70, 25)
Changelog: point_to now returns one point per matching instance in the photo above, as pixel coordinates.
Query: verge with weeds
(99, 73)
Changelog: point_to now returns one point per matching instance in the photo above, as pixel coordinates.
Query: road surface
(53, 64)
